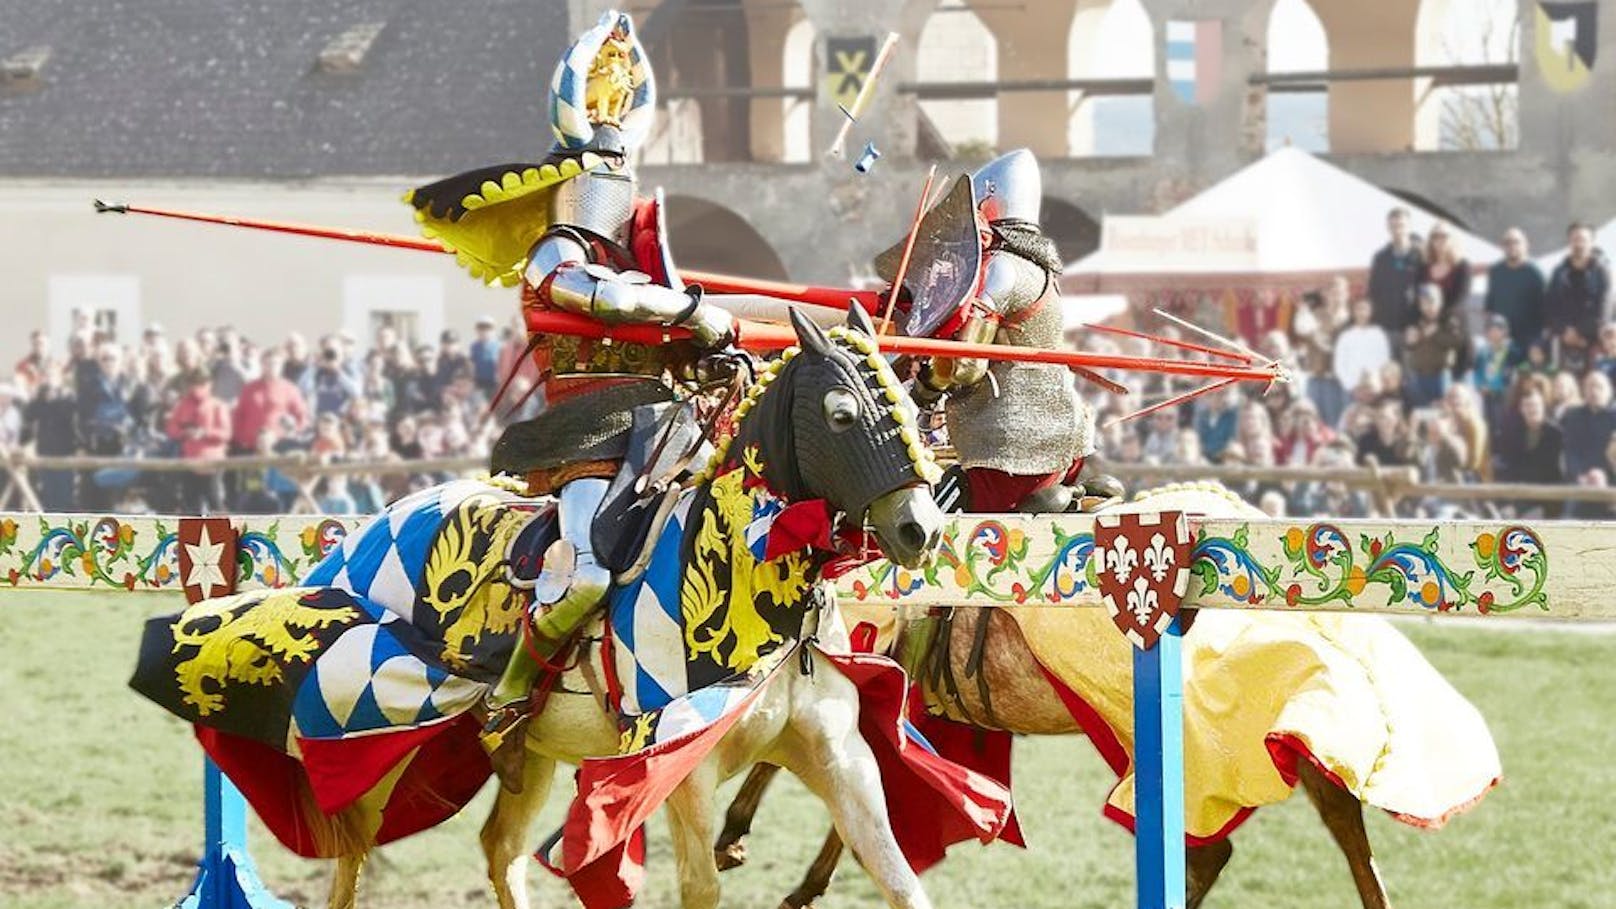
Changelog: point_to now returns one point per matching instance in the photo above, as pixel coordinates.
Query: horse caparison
(986, 646)
(804, 721)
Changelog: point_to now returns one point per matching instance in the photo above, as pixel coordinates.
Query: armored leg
(1095, 490)
(560, 608)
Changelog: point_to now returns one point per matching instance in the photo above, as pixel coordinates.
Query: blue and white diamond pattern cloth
(382, 561)
(366, 681)
(648, 644)
(702, 707)
(647, 622)
(764, 510)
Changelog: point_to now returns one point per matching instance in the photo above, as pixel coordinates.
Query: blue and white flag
(1194, 59)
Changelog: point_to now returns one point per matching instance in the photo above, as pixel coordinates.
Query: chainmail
(1036, 425)
(601, 203)
(1025, 240)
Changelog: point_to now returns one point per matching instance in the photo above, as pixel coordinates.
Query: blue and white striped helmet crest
(569, 114)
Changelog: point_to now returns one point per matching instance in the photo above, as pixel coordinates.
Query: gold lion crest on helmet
(612, 80)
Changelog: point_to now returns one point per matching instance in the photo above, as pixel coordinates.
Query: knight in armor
(1021, 432)
(572, 233)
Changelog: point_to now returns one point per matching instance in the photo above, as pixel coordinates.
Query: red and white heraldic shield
(1144, 571)
(207, 556)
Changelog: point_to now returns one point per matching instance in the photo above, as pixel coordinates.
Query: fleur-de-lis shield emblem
(1120, 560)
(1142, 601)
(1147, 558)
(1158, 558)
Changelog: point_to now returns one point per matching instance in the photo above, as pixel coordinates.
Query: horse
(1023, 702)
(826, 433)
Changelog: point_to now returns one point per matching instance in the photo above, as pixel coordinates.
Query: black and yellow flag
(848, 62)
(1567, 40)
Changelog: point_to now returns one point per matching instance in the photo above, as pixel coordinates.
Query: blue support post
(1158, 723)
(226, 877)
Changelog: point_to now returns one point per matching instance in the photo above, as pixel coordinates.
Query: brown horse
(980, 670)
(1022, 704)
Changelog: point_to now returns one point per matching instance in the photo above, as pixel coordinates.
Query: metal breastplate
(1036, 424)
(595, 209)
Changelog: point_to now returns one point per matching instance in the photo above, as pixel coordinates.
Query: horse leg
(350, 834)
(690, 823)
(730, 850)
(505, 834)
(1342, 813)
(1202, 866)
(345, 880)
(817, 880)
(835, 762)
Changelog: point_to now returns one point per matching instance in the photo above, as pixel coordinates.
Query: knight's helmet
(602, 100)
(1009, 188)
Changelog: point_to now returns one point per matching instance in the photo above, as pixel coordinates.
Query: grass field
(99, 807)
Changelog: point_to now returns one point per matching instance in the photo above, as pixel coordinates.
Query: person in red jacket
(200, 423)
(268, 402)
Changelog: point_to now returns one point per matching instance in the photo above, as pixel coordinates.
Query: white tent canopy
(1288, 217)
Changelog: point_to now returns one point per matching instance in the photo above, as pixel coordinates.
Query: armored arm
(981, 327)
(560, 270)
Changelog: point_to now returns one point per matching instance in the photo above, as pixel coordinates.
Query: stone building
(323, 112)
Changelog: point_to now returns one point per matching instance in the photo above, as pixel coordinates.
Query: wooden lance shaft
(851, 114)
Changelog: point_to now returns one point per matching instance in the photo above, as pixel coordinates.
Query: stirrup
(502, 737)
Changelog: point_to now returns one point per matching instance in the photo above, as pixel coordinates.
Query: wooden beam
(1500, 569)
(1544, 569)
(954, 91)
(1440, 76)
(795, 92)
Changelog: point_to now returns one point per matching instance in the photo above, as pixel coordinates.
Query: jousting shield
(945, 267)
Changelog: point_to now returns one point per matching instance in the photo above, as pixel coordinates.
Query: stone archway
(956, 45)
(1370, 115)
(1111, 39)
(1467, 117)
(1297, 42)
(709, 237)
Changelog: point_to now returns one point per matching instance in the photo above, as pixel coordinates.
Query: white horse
(806, 722)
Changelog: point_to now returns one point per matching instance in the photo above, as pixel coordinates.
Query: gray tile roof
(234, 88)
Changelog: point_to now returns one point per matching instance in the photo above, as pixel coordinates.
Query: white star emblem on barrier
(205, 571)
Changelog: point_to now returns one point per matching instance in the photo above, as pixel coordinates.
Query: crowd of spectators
(1510, 386)
(1514, 385)
(218, 394)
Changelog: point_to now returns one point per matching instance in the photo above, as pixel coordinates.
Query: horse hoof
(731, 856)
(791, 903)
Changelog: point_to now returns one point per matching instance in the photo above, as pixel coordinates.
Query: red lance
(758, 337)
(836, 297)
(764, 337)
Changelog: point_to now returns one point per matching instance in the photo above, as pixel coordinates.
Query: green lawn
(99, 806)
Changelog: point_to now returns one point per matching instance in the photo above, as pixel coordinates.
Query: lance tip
(119, 208)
